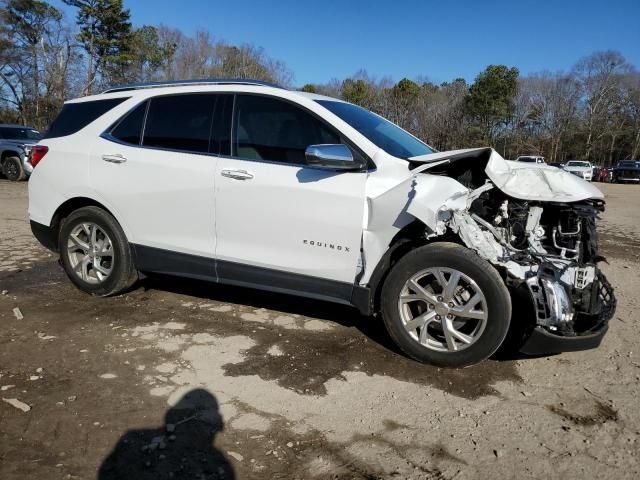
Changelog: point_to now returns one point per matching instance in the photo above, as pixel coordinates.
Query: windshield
(629, 163)
(527, 159)
(576, 163)
(18, 133)
(384, 134)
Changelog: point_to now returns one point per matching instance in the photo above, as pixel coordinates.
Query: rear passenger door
(156, 168)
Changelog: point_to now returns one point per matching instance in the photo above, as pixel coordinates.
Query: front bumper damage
(572, 302)
(573, 306)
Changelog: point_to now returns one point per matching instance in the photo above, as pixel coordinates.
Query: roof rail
(180, 83)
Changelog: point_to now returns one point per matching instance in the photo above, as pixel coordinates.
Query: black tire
(448, 255)
(123, 272)
(13, 170)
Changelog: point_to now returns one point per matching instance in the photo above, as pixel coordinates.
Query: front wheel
(442, 304)
(95, 253)
(13, 169)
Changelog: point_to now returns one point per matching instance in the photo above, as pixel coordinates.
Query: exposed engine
(550, 247)
(564, 230)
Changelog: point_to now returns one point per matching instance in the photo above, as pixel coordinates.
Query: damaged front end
(551, 248)
(543, 242)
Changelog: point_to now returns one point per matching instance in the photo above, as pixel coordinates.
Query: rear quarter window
(76, 116)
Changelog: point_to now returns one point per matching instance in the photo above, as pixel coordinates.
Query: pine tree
(105, 34)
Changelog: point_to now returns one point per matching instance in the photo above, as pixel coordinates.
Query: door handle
(114, 158)
(237, 174)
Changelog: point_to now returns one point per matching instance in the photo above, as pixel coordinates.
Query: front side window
(381, 132)
(129, 129)
(180, 122)
(272, 129)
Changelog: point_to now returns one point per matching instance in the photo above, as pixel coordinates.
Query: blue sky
(441, 40)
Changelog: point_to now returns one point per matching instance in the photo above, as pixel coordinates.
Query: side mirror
(330, 157)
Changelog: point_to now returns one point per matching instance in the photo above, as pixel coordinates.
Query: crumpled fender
(416, 196)
(421, 196)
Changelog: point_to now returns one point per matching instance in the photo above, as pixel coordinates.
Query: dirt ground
(181, 379)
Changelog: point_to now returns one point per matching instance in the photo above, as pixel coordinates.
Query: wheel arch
(71, 205)
(411, 236)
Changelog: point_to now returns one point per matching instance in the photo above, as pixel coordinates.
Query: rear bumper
(45, 235)
(26, 164)
(544, 342)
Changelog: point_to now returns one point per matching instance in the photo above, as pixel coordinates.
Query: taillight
(37, 153)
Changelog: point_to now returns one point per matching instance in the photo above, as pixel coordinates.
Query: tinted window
(76, 116)
(221, 130)
(271, 129)
(129, 129)
(381, 132)
(180, 122)
(19, 133)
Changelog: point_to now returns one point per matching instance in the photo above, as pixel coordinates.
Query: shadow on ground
(182, 448)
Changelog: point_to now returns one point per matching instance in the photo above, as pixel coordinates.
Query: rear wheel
(95, 253)
(444, 305)
(13, 169)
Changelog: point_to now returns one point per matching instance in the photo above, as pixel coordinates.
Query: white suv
(249, 184)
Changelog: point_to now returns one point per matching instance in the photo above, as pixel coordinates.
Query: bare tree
(599, 75)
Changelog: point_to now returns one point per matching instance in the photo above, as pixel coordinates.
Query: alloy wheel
(443, 309)
(90, 252)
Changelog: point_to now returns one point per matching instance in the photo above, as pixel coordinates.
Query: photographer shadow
(182, 448)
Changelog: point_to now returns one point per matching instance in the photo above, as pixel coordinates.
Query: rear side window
(180, 122)
(76, 116)
(129, 129)
(271, 129)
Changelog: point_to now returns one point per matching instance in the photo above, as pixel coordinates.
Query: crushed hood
(524, 181)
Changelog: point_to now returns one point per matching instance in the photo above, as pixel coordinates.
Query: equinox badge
(331, 246)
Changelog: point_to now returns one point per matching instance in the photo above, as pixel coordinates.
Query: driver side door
(279, 222)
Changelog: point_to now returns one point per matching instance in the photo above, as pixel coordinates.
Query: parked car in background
(557, 165)
(253, 185)
(580, 168)
(530, 159)
(15, 143)
(600, 174)
(627, 171)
